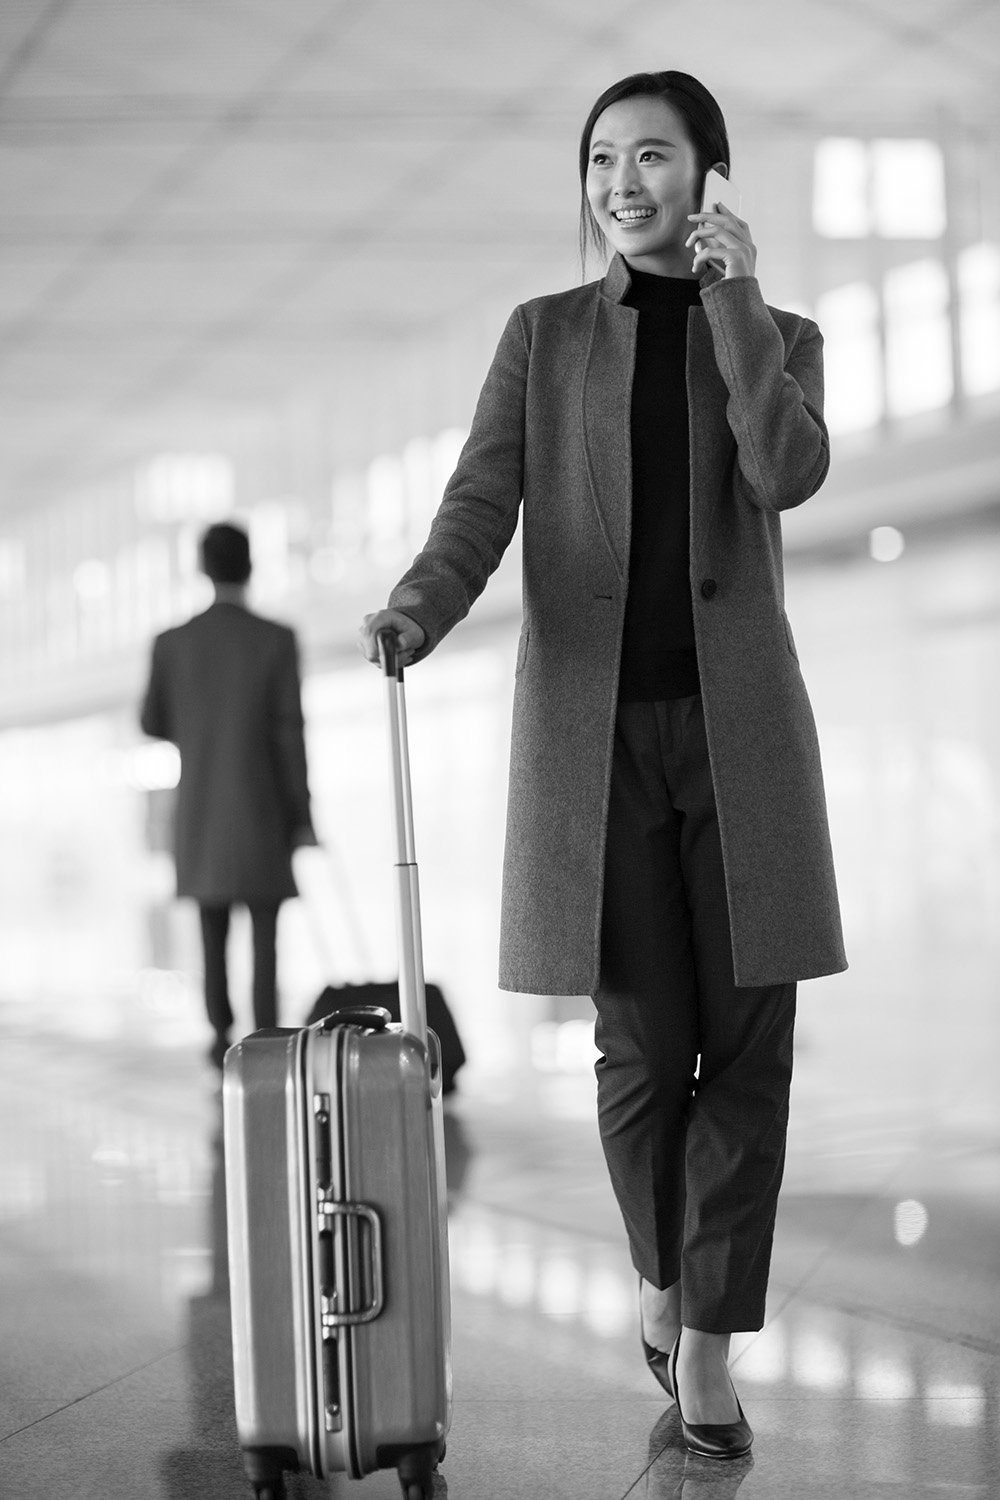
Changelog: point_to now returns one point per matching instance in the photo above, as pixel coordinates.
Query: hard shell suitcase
(336, 1201)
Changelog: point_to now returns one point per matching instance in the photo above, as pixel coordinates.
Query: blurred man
(224, 687)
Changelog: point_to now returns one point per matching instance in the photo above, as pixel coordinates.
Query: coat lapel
(708, 431)
(607, 401)
(607, 412)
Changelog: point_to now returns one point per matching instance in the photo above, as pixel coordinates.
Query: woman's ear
(721, 168)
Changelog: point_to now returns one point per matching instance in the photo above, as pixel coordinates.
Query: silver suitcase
(336, 1201)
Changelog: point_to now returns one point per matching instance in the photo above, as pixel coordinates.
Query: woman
(667, 842)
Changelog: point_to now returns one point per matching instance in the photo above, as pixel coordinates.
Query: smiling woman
(667, 842)
(646, 145)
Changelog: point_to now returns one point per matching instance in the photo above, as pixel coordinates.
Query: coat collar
(617, 279)
(607, 396)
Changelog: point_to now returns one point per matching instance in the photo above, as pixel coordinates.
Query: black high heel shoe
(657, 1360)
(712, 1439)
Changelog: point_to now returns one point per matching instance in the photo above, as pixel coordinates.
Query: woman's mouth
(627, 216)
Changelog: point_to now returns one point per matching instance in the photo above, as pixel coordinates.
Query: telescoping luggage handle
(412, 1001)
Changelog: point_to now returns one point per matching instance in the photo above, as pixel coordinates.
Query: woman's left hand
(725, 240)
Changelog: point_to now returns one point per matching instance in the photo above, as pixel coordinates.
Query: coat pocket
(522, 650)
(789, 638)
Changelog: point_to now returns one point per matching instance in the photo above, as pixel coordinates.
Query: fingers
(723, 238)
(720, 239)
(409, 635)
(718, 227)
(720, 215)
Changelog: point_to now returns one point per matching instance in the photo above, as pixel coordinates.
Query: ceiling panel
(209, 204)
(96, 46)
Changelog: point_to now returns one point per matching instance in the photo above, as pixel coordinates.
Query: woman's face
(642, 182)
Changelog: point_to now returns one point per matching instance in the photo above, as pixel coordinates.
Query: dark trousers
(214, 932)
(695, 1162)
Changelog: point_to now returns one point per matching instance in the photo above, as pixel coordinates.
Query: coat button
(708, 587)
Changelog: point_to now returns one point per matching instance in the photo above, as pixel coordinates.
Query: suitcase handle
(362, 1211)
(372, 1017)
(412, 999)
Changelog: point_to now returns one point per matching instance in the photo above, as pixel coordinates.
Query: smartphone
(718, 189)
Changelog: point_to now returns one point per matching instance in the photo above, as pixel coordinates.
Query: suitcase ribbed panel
(395, 1370)
(268, 1234)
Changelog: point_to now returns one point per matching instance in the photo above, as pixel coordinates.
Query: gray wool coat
(224, 687)
(551, 433)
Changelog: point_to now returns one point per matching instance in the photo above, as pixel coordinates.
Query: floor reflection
(876, 1373)
(675, 1474)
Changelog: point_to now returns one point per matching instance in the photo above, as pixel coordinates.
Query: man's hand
(409, 636)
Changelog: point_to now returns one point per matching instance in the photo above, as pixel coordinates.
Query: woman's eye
(598, 160)
(655, 154)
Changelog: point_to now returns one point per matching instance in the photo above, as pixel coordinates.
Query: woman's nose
(625, 182)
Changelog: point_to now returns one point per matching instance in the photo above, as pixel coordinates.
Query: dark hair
(701, 114)
(225, 553)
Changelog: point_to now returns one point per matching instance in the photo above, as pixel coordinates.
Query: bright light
(979, 289)
(819, 1361)
(153, 767)
(885, 543)
(840, 189)
(327, 566)
(955, 1405)
(387, 533)
(560, 1287)
(13, 568)
(610, 1304)
(92, 580)
(475, 1253)
(910, 1222)
(563, 1047)
(185, 486)
(848, 316)
(422, 497)
(515, 1281)
(446, 448)
(908, 189)
(893, 188)
(767, 1358)
(918, 338)
(881, 1378)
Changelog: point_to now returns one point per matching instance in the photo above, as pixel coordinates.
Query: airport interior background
(254, 261)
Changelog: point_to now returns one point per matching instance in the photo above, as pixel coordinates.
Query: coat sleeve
(154, 715)
(775, 407)
(288, 736)
(478, 514)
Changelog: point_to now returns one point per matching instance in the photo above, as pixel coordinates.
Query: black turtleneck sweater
(658, 649)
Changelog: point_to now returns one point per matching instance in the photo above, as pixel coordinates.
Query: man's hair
(225, 553)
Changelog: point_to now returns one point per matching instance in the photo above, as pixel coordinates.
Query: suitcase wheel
(416, 1473)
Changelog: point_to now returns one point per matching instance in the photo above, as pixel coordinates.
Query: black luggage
(439, 1017)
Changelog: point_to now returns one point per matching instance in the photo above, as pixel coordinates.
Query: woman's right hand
(409, 635)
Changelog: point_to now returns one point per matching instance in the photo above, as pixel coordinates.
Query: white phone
(718, 189)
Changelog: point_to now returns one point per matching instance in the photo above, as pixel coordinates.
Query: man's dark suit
(224, 687)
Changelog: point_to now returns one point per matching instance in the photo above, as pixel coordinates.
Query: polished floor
(875, 1376)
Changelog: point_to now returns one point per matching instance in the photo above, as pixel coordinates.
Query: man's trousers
(695, 1162)
(214, 932)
